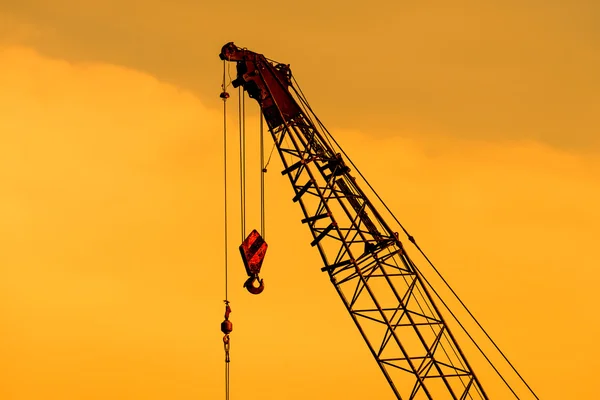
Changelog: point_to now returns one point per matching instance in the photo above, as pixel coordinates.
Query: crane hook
(249, 284)
(253, 250)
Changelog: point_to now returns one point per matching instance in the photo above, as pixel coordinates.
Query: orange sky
(111, 273)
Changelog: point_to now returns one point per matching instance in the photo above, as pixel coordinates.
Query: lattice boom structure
(366, 262)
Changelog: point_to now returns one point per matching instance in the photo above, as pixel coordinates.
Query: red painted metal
(253, 250)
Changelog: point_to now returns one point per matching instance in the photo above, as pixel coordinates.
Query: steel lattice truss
(372, 273)
(366, 262)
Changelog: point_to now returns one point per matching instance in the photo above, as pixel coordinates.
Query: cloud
(112, 272)
(493, 71)
(105, 175)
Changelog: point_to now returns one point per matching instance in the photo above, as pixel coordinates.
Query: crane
(384, 292)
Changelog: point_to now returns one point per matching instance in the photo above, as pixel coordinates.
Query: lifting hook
(253, 250)
(249, 284)
(226, 328)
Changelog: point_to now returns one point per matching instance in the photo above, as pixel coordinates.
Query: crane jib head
(230, 52)
(265, 81)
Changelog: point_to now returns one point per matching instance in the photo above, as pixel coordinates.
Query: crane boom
(367, 263)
